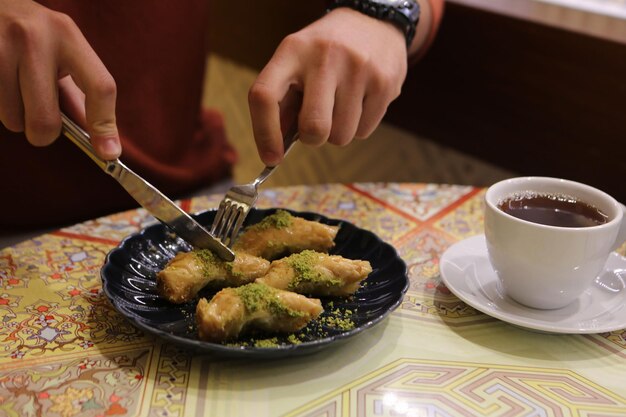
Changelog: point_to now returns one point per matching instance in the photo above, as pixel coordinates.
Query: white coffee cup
(548, 267)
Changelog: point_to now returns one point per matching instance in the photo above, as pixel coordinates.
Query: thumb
(105, 138)
(100, 122)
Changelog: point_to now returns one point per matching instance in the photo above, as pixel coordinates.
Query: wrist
(404, 14)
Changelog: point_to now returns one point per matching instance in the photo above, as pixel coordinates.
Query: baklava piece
(281, 234)
(253, 307)
(188, 272)
(317, 274)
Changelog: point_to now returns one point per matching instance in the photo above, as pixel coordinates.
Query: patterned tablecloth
(66, 352)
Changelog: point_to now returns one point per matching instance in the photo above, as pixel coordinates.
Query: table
(66, 352)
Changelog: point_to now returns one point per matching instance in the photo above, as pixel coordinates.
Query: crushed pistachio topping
(338, 319)
(266, 343)
(209, 261)
(279, 220)
(229, 266)
(211, 264)
(232, 270)
(206, 256)
(257, 296)
(303, 264)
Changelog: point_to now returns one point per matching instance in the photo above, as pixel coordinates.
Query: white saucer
(466, 271)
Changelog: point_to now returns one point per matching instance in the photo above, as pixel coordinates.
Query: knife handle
(81, 139)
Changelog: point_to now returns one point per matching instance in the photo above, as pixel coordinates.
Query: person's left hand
(337, 76)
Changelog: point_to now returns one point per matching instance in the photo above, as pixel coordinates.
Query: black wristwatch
(403, 13)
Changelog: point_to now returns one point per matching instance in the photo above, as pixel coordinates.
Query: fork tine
(243, 213)
(233, 223)
(233, 213)
(220, 218)
(222, 228)
(217, 221)
(226, 221)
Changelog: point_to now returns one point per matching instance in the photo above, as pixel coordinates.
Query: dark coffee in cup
(552, 209)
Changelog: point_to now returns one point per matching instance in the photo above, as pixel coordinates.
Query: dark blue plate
(129, 272)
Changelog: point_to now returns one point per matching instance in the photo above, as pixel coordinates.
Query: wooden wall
(529, 98)
(534, 99)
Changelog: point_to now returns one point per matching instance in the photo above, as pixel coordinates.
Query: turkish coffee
(552, 210)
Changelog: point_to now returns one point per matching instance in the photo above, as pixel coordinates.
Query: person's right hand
(44, 59)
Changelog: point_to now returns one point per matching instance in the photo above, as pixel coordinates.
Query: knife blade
(149, 197)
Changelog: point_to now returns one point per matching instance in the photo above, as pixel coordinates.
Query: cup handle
(621, 235)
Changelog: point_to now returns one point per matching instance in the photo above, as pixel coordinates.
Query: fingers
(72, 100)
(316, 116)
(265, 115)
(347, 82)
(11, 107)
(347, 113)
(374, 109)
(264, 98)
(37, 80)
(38, 47)
(28, 73)
(99, 88)
(275, 96)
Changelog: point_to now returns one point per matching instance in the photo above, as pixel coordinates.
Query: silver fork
(239, 199)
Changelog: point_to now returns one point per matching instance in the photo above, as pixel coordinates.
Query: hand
(347, 67)
(44, 59)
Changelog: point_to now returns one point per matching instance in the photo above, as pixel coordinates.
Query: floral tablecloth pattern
(65, 351)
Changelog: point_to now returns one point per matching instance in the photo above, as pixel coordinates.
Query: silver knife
(154, 201)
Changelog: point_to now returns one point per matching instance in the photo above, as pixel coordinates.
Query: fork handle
(263, 176)
(288, 140)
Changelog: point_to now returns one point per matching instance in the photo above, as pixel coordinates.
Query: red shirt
(156, 52)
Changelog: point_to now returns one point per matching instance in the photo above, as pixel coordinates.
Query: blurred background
(510, 87)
